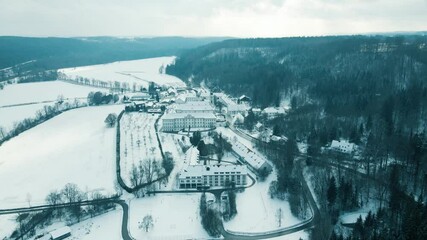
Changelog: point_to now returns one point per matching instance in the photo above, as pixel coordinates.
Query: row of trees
(28, 222)
(98, 98)
(210, 218)
(44, 114)
(148, 171)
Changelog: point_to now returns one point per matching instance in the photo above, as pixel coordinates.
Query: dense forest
(33, 59)
(370, 90)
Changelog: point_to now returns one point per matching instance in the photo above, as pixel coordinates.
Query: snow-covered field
(175, 216)
(74, 147)
(42, 91)
(7, 225)
(12, 115)
(35, 93)
(256, 211)
(138, 141)
(139, 72)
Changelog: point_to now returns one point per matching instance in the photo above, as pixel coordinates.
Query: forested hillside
(370, 90)
(32, 57)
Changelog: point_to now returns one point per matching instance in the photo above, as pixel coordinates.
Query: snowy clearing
(174, 217)
(74, 147)
(256, 211)
(42, 91)
(138, 72)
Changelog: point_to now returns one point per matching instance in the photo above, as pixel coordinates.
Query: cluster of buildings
(232, 107)
(191, 112)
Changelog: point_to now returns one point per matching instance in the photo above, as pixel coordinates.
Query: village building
(140, 97)
(257, 162)
(173, 122)
(194, 107)
(273, 112)
(60, 233)
(343, 146)
(198, 176)
(231, 107)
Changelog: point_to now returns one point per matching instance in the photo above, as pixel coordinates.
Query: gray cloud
(241, 18)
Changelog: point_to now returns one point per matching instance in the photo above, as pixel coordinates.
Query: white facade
(343, 146)
(272, 112)
(195, 176)
(173, 122)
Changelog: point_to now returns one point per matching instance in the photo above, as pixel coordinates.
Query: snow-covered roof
(250, 156)
(343, 145)
(237, 107)
(243, 97)
(60, 232)
(258, 125)
(274, 110)
(201, 170)
(194, 106)
(189, 115)
(138, 96)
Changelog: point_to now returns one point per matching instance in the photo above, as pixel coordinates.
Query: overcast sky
(237, 18)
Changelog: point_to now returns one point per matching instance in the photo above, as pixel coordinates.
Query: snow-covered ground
(138, 141)
(35, 93)
(138, 72)
(257, 212)
(105, 226)
(7, 225)
(172, 143)
(74, 147)
(12, 115)
(42, 91)
(175, 216)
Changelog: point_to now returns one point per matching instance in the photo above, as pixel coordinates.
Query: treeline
(34, 56)
(44, 114)
(370, 90)
(70, 193)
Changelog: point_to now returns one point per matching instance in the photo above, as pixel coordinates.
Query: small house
(60, 233)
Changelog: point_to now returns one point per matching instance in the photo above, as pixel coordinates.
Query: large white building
(343, 146)
(256, 161)
(196, 176)
(173, 122)
(231, 107)
(194, 107)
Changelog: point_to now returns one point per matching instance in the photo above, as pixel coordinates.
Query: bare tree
(147, 223)
(72, 193)
(53, 198)
(111, 119)
(136, 174)
(28, 198)
(151, 169)
(279, 216)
